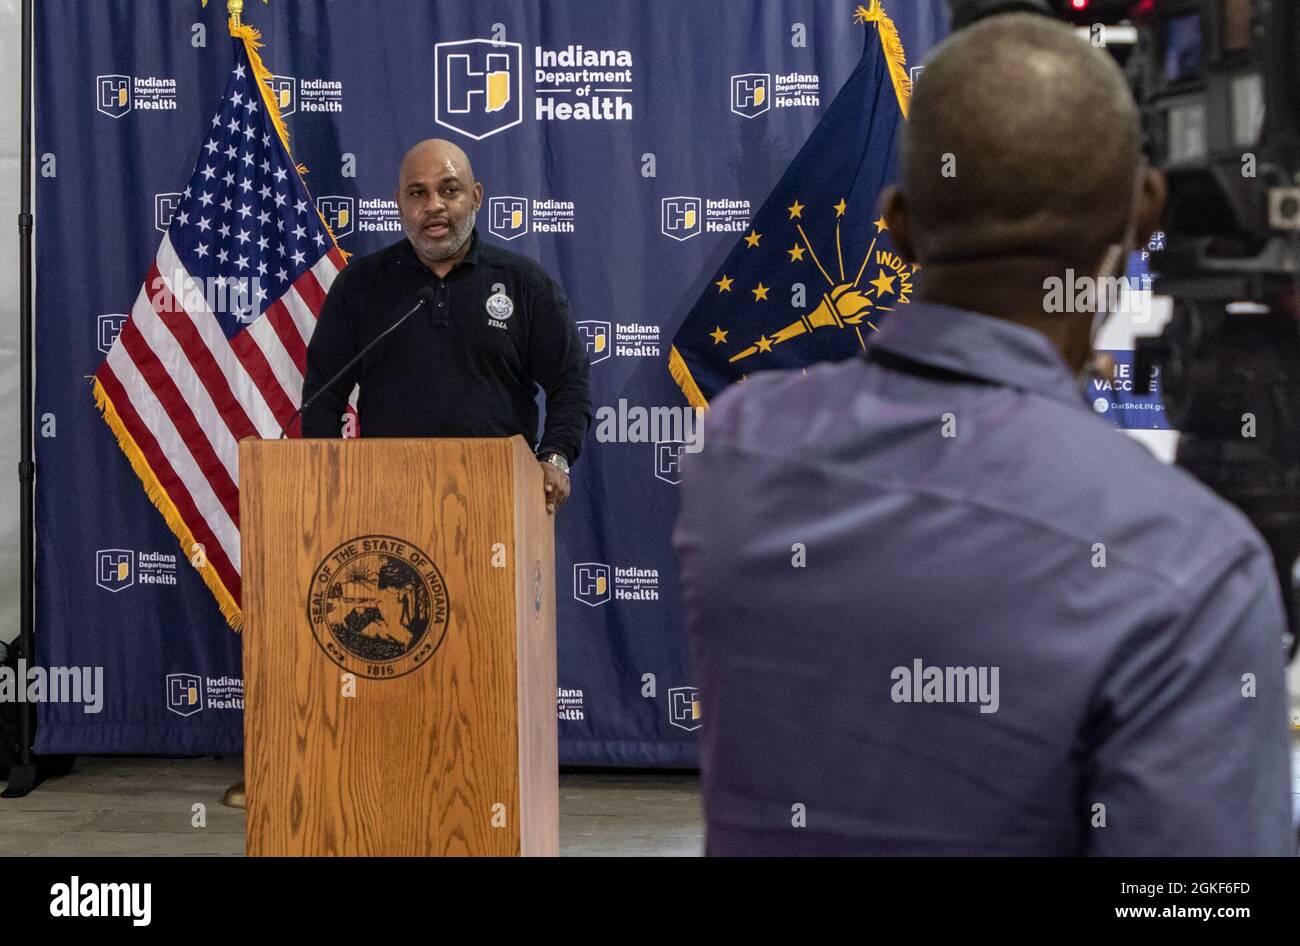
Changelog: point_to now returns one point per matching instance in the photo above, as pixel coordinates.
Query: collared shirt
(949, 610)
(466, 365)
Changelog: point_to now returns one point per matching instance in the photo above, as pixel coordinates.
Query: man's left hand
(557, 486)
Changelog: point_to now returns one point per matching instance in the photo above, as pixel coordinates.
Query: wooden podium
(399, 648)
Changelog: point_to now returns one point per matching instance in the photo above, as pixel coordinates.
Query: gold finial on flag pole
(235, 8)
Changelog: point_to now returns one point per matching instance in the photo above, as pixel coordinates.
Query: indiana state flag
(819, 230)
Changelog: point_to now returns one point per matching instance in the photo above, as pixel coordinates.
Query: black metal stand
(23, 775)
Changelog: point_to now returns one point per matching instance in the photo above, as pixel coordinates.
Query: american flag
(215, 346)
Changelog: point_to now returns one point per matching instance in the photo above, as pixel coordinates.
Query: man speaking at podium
(480, 328)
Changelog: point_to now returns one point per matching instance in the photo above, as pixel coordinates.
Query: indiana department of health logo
(591, 583)
(596, 337)
(751, 94)
(115, 569)
(378, 606)
(284, 89)
(113, 95)
(184, 693)
(680, 217)
(339, 213)
(164, 205)
(108, 327)
(478, 86)
(668, 460)
(684, 708)
(508, 217)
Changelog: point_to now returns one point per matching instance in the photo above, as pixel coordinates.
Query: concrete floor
(144, 806)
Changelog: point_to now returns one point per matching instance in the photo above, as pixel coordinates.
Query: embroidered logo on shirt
(499, 306)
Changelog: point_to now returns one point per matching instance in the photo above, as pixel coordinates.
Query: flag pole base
(235, 796)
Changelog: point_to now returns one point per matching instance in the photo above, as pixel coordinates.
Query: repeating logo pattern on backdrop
(668, 461)
(285, 91)
(751, 94)
(164, 205)
(511, 217)
(507, 217)
(190, 693)
(184, 693)
(755, 93)
(682, 217)
(339, 212)
(114, 95)
(595, 336)
(306, 95)
(347, 215)
(591, 583)
(119, 569)
(684, 708)
(625, 339)
(118, 95)
(478, 86)
(107, 328)
(596, 583)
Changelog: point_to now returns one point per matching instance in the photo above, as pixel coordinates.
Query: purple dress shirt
(936, 605)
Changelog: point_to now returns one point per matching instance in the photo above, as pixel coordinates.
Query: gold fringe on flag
(892, 44)
(682, 375)
(252, 43)
(158, 496)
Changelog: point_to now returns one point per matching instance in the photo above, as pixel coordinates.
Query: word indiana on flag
(816, 271)
(216, 344)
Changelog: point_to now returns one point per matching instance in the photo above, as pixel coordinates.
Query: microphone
(426, 295)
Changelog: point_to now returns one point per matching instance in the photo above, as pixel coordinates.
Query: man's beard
(436, 250)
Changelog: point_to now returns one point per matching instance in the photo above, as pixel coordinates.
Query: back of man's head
(1023, 141)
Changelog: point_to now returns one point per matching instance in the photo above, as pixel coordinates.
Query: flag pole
(236, 795)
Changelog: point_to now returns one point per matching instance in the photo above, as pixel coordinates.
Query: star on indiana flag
(819, 229)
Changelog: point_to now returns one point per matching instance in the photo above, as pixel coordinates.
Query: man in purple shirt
(936, 605)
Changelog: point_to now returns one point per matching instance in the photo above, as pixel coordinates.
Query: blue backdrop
(589, 172)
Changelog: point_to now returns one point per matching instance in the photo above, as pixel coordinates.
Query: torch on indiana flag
(215, 346)
(820, 229)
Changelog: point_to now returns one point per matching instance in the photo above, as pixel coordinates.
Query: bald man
(469, 363)
(936, 604)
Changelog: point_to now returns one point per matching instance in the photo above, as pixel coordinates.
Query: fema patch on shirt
(499, 306)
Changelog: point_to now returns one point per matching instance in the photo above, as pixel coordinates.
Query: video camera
(1218, 86)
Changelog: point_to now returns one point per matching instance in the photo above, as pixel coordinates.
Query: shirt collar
(982, 346)
(406, 254)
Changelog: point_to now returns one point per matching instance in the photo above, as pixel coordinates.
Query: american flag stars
(243, 211)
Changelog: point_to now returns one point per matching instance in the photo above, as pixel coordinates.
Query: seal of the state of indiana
(378, 606)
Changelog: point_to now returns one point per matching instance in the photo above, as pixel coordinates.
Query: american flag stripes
(216, 344)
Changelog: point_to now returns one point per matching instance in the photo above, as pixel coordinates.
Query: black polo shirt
(466, 365)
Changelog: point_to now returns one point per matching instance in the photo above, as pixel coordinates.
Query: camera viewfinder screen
(1183, 47)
